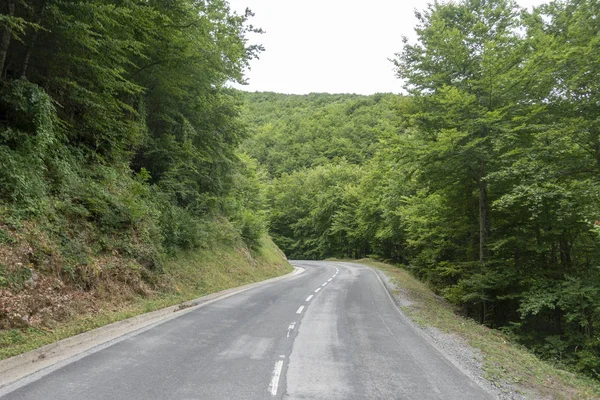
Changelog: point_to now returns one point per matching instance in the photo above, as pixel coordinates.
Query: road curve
(331, 332)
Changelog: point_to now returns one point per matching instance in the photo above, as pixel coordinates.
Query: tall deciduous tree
(460, 73)
(96, 92)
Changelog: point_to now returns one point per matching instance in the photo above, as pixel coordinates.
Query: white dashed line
(291, 328)
(317, 290)
(329, 280)
(325, 284)
(309, 297)
(300, 310)
(274, 385)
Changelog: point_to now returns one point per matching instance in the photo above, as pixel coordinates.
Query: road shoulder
(507, 369)
(43, 360)
(467, 359)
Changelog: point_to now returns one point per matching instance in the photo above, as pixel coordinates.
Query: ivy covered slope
(484, 179)
(119, 154)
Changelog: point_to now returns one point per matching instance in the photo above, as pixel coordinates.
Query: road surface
(331, 332)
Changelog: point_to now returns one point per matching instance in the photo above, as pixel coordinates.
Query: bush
(181, 229)
(252, 227)
(24, 143)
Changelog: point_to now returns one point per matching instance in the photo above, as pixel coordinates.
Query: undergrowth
(227, 262)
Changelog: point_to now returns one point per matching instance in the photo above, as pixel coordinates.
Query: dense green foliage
(295, 132)
(120, 138)
(118, 133)
(314, 148)
(484, 179)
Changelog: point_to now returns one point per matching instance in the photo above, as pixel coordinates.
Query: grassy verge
(504, 361)
(190, 275)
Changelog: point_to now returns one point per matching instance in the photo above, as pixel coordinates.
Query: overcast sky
(335, 46)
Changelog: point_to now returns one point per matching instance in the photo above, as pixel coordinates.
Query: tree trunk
(6, 35)
(484, 222)
(27, 57)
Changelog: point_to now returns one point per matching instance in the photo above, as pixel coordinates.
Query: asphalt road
(331, 332)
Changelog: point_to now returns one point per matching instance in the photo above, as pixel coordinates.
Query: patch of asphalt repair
(467, 359)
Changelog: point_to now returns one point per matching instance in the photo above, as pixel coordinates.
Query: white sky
(334, 46)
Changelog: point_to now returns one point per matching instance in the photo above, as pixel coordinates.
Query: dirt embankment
(44, 297)
(39, 287)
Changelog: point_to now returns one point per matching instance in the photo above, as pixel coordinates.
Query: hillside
(314, 149)
(397, 178)
(122, 187)
(483, 180)
(292, 132)
(40, 307)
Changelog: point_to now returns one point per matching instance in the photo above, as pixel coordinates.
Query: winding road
(330, 333)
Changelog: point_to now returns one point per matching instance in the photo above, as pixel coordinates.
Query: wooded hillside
(483, 179)
(119, 150)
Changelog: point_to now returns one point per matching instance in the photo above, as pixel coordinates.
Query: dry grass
(504, 361)
(191, 275)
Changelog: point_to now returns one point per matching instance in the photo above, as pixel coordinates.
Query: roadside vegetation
(122, 188)
(65, 310)
(483, 179)
(504, 361)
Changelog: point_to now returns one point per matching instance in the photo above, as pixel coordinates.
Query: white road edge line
(317, 290)
(274, 385)
(300, 310)
(309, 297)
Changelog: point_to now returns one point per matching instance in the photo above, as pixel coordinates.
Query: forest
(116, 114)
(119, 153)
(482, 179)
(123, 145)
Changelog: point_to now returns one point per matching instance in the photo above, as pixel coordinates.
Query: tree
(460, 74)
(98, 98)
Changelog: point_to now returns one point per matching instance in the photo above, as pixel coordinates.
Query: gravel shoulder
(466, 358)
